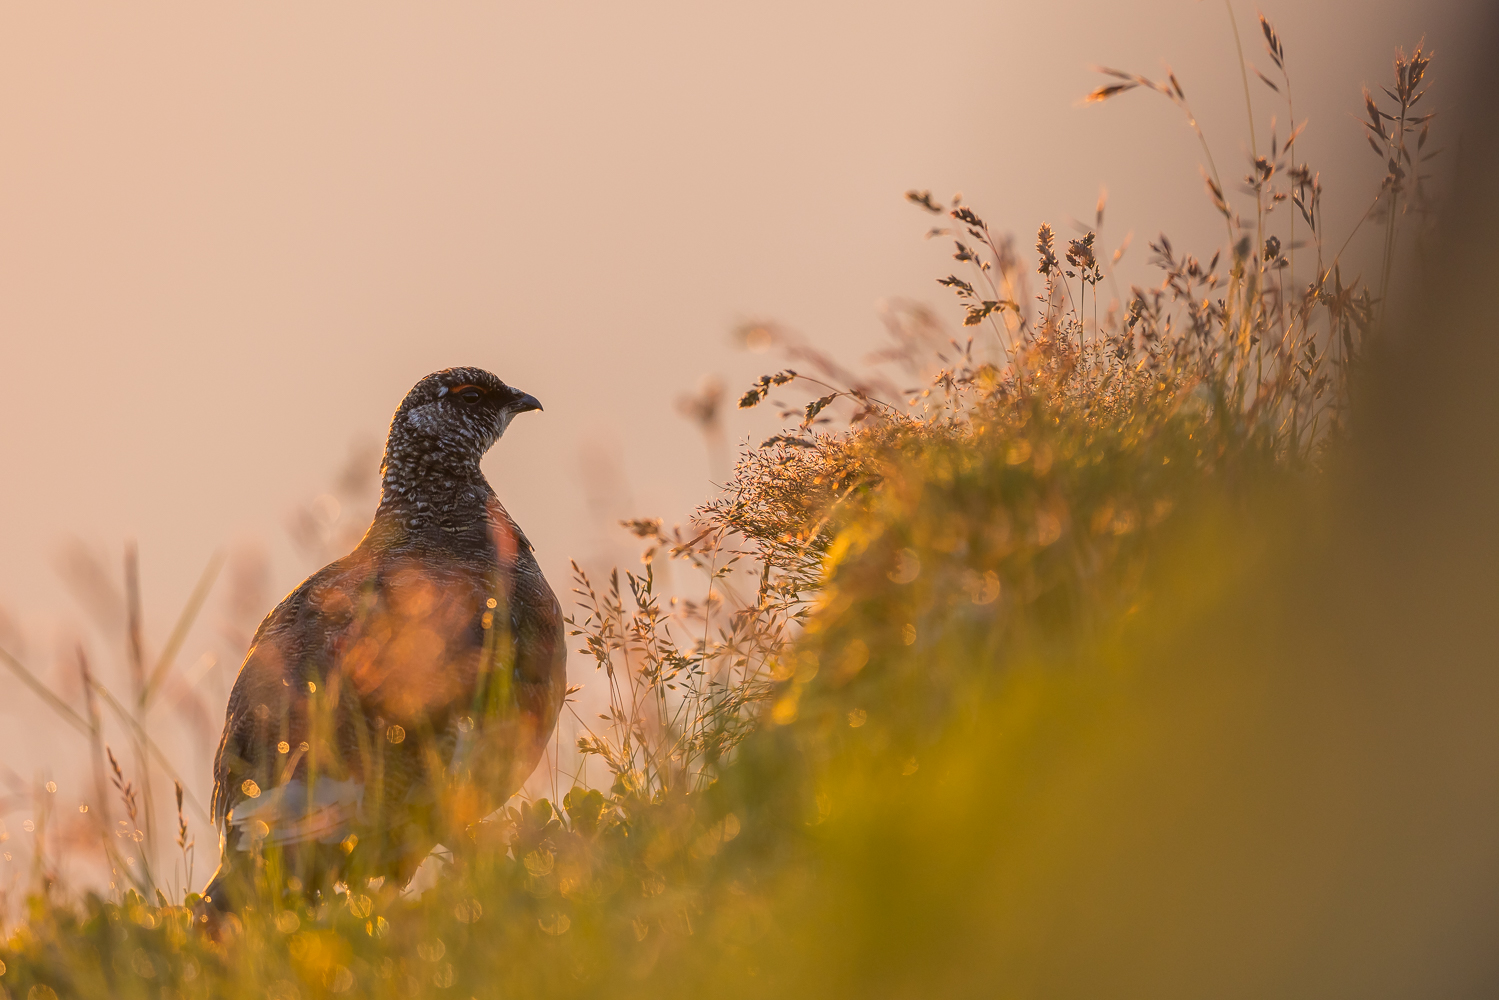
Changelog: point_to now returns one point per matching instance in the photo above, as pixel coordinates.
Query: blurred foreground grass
(1131, 661)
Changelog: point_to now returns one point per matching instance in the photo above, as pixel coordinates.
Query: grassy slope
(1037, 544)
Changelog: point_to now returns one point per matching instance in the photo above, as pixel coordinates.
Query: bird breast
(408, 649)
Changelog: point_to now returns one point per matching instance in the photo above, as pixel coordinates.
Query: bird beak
(522, 402)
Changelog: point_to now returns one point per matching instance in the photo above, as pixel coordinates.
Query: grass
(962, 653)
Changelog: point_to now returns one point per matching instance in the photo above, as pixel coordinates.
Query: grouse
(404, 691)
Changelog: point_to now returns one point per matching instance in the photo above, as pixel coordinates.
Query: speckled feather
(408, 688)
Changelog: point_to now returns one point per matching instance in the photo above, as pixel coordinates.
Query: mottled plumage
(407, 689)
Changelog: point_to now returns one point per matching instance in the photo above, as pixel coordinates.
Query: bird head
(451, 418)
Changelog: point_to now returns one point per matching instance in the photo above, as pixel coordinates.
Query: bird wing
(261, 704)
(363, 653)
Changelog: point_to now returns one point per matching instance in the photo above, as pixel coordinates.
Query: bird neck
(424, 489)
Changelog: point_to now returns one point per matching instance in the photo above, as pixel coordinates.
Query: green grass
(982, 677)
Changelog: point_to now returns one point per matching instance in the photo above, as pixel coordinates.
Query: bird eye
(468, 395)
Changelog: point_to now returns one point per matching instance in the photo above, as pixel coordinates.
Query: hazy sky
(233, 235)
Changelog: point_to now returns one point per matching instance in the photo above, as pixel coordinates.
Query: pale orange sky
(232, 236)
